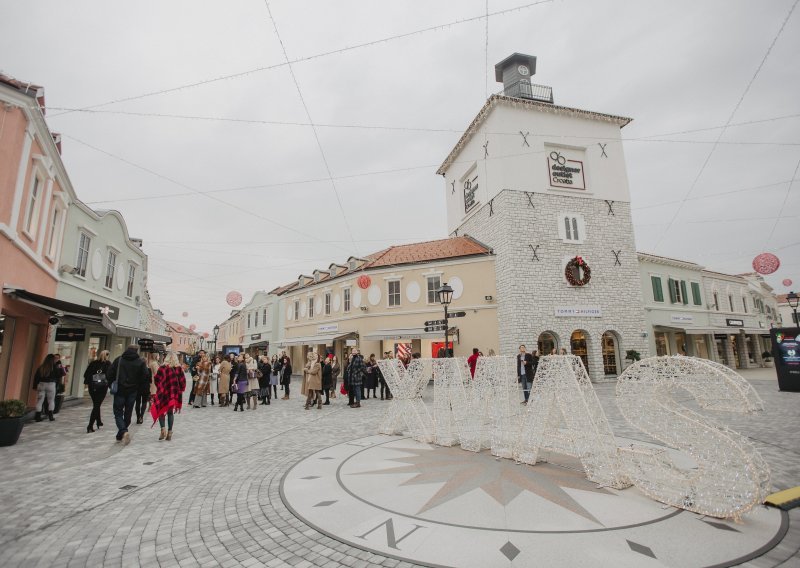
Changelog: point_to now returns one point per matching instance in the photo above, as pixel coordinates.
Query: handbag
(115, 385)
(99, 380)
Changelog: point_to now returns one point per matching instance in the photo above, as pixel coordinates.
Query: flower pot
(10, 429)
(768, 364)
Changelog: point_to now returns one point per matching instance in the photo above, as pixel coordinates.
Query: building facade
(381, 302)
(531, 180)
(259, 318)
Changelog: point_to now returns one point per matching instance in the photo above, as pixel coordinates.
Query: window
(394, 292)
(110, 267)
(352, 265)
(297, 309)
(52, 240)
(730, 301)
(131, 276)
(311, 307)
(327, 303)
(658, 292)
(674, 291)
(571, 227)
(434, 284)
(33, 207)
(716, 301)
(684, 295)
(697, 299)
(567, 228)
(264, 317)
(346, 294)
(744, 303)
(248, 321)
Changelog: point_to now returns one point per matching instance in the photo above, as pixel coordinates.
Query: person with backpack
(129, 372)
(96, 378)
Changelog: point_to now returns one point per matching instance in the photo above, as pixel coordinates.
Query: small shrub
(11, 408)
(632, 355)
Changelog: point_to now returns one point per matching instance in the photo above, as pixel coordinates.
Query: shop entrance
(579, 346)
(611, 357)
(662, 343)
(547, 344)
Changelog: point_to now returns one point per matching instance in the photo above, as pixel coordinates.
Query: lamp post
(445, 297)
(216, 333)
(202, 339)
(793, 300)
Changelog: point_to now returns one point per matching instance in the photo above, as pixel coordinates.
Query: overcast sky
(273, 212)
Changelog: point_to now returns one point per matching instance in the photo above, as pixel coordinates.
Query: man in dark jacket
(525, 371)
(130, 371)
(356, 371)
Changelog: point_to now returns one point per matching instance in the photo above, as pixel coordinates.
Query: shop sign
(564, 172)
(579, 312)
(351, 342)
(70, 334)
(681, 318)
(255, 337)
(113, 311)
(734, 322)
(328, 327)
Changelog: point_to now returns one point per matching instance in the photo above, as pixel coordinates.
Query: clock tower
(546, 187)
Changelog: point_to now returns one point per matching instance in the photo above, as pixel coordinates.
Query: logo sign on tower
(565, 172)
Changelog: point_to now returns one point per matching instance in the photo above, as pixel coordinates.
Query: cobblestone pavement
(210, 497)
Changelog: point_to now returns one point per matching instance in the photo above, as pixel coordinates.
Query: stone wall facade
(523, 226)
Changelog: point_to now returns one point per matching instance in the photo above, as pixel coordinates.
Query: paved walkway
(211, 496)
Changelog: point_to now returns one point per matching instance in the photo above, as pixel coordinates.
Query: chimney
(515, 72)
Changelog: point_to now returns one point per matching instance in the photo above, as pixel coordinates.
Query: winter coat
(370, 375)
(252, 379)
(93, 368)
(201, 386)
(241, 378)
(287, 374)
(133, 372)
(356, 371)
(170, 383)
(274, 377)
(266, 371)
(225, 376)
(312, 377)
(327, 377)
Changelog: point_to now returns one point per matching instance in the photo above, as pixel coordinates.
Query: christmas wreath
(577, 272)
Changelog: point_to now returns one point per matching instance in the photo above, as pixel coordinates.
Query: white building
(260, 323)
(543, 185)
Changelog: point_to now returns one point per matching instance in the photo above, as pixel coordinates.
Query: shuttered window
(658, 292)
(697, 300)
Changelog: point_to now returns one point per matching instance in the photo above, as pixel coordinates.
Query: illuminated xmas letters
(564, 415)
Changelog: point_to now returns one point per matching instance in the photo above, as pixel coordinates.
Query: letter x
(535, 250)
(529, 194)
(486, 149)
(616, 257)
(491, 207)
(453, 184)
(525, 139)
(610, 207)
(603, 150)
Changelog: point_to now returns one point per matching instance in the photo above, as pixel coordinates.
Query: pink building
(33, 205)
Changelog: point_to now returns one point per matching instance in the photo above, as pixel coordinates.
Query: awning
(406, 333)
(701, 331)
(60, 307)
(125, 331)
(326, 339)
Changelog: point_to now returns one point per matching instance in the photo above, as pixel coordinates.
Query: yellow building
(381, 302)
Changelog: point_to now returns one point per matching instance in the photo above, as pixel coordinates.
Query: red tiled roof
(426, 252)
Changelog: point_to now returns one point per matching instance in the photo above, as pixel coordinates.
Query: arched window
(566, 228)
(575, 229)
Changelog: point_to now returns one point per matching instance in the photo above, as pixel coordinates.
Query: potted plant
(767, 356)
(11, 416)
(632, 355)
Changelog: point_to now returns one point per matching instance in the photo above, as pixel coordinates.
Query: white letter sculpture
(730, 477)
(564, 416)
(406, 407)
(477, 412)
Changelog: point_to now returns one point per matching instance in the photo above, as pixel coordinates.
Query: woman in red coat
(170, 383)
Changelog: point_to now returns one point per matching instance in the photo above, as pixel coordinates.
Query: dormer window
(352, 265)
(333, 271)
(316, 276)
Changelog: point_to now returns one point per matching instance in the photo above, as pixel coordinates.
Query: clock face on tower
(522, 70)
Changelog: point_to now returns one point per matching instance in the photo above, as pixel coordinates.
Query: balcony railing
(525, 90)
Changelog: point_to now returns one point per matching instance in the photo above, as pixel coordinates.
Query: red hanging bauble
(364, 281)
(766, 263)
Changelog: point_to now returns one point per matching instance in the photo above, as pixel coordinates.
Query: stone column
(672, 344)
(729, 354)
(741, 344)
(759, 349)
(594, 354)
(711, 345)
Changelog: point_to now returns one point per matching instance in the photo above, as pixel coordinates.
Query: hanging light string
(313, 129)
(783, 206)
(372, 43)
(725, 127)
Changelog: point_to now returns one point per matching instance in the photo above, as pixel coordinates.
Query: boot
(50, 415)
(38, 417)
(319, 403)
(163, 434)
(169, 436)
(212, 400)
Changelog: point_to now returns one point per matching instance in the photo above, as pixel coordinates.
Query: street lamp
(216, 333)
(202, 339)
(445, 297)
(793, 300)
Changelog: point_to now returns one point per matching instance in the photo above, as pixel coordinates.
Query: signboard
(70, 334)
(435, 322)
(734, 322)
(564, 172)
(255, 337)
(113, 311)
(228, 349)
(579, 312)
(435, 327)
(786, 349)
(327, 328)
(457, 314)
(681, 318)
(351, 342)
(470, 187)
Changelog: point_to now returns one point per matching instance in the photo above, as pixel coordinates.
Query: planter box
(10, 429)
